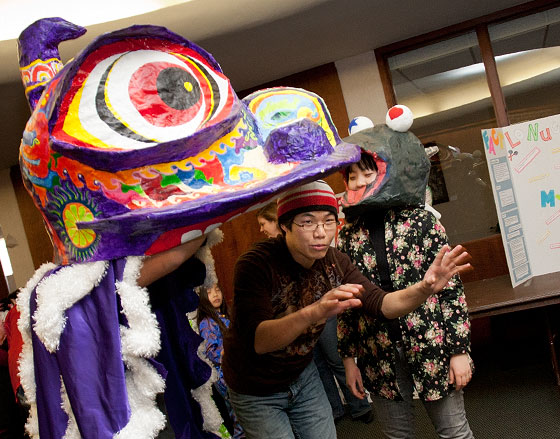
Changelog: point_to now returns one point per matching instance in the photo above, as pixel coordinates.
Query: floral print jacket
(431, 334)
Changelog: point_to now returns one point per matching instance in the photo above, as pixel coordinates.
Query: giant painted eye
(122, 99)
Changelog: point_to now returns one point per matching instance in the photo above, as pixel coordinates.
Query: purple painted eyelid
(301, 140)
(172, 151)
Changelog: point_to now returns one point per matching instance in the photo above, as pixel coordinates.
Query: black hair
(206, 310)
(367, 162)
(14, 295)
(4, 305)
(286, 221)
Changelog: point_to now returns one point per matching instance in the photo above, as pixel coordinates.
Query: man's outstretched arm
(447, 264)
(275, 334)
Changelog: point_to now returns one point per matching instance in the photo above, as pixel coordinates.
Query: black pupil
(177, 88)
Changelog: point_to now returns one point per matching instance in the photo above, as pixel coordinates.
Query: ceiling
(256, 41)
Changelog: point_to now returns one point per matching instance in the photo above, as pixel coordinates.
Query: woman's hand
(460, 372)
(447, 264)
(354, 378)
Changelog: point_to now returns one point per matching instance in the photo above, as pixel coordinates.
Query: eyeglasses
(310, 226)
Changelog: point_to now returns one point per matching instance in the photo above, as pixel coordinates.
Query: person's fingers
(351, 287)
(357, 394)
(360, 392)
(441, 254)
(345, 291)
(462, 258)
(352, 386)
(451, 375)
(335, 306)
(360, 387)
(360, 287)
(465, 268)
(461, 382)
(335, 295)
(355, 289)
(338, 306)
(354, 381)
(351, 303)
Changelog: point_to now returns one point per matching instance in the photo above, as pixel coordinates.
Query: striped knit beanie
(317, 195)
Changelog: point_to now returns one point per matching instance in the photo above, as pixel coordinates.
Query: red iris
(166, 94)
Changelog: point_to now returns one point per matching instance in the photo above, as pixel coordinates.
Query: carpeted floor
(513, 393)
(522, 403)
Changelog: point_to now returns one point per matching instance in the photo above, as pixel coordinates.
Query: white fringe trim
(143, 383)
(203, 395)
(205, 256)
(140, 339)
(60, 292)
(25, 360)
(72, 431)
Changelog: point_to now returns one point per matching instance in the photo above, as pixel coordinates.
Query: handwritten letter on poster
(524, 165)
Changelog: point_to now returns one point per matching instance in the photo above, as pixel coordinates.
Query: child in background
(213, 322)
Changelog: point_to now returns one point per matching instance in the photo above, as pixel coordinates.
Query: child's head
(215, 296)
(211, 304)
(362, 173)
(211, 297)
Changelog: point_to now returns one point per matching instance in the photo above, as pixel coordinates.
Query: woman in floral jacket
(425, 352)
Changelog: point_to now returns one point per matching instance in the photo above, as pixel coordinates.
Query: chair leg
(552, 334)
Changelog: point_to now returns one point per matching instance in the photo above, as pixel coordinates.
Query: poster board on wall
(524, 166)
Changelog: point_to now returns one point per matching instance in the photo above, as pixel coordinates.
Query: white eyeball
(399, 118)
(358, 124)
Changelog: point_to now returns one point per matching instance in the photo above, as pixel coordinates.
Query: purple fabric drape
(89, 361)
(172, 297)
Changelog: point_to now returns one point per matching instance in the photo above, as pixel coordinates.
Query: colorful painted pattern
(39, 72)
(273, 108)
(142, 135)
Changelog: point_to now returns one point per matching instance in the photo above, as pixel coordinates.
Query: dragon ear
(39, 59)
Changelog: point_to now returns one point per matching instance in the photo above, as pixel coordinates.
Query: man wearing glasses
(284, 290)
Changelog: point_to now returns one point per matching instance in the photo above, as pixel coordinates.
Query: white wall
(361, 87)
(11, 223)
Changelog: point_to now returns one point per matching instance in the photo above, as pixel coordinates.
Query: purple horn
(39, 59)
